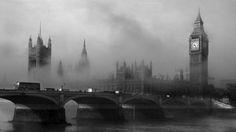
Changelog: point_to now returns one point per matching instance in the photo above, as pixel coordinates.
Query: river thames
(207, 123)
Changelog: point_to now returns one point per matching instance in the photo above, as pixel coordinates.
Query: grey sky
(130, 30)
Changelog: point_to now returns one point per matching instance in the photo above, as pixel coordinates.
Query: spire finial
(199, 12)
(84, 43)
(40, 29)
(199, 18)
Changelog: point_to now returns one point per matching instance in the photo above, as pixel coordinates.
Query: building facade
(198, 53)
(39, 55)
(133, 78)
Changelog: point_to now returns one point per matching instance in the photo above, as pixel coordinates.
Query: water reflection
(37, 127)
(207, 124)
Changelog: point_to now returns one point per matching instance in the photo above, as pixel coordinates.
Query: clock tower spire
(198, 53)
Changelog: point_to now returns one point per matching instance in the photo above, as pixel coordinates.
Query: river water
(208, 123)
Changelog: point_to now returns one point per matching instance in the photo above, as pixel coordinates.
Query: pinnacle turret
(30, 42)
(84, 52)
(49, 42)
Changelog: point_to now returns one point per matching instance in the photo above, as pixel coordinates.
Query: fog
(130, 30)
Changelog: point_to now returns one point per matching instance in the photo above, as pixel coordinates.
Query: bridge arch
(38, 108)
(144, 98)
(96, 106)
(142, 107)
(29, 99)
(78, 97)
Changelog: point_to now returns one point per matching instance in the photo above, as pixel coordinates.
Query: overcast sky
(118, 30)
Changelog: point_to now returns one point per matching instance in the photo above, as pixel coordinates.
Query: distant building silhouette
(83, 67)
(131, 79)
(60, 71)
(224, 83)
(138, 72)
(39, 56)
(198, 52)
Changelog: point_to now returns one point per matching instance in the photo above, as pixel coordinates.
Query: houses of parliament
(136, 78)
(39, 58)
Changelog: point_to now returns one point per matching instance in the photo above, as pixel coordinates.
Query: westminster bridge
(49, 105)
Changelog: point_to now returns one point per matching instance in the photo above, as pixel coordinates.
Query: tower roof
(199, 18)
(198, 25)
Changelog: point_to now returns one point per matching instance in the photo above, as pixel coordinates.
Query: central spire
(84, 44)
(40, 30)
(83, 66)
(39, 40)
(84, 52)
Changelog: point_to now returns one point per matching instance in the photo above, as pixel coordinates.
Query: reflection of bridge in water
(49, 105)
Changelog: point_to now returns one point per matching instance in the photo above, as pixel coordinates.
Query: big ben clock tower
(198, 52)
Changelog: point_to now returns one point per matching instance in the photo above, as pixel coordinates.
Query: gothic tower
(84, 66)
(198, 52)
(39, 55)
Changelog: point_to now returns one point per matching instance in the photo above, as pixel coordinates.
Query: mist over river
(208, 123)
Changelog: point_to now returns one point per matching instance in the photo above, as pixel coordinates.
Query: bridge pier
(54, 115)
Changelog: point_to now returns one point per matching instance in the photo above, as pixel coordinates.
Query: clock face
(195, 45)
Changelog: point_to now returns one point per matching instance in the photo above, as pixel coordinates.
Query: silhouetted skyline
(156, 31)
